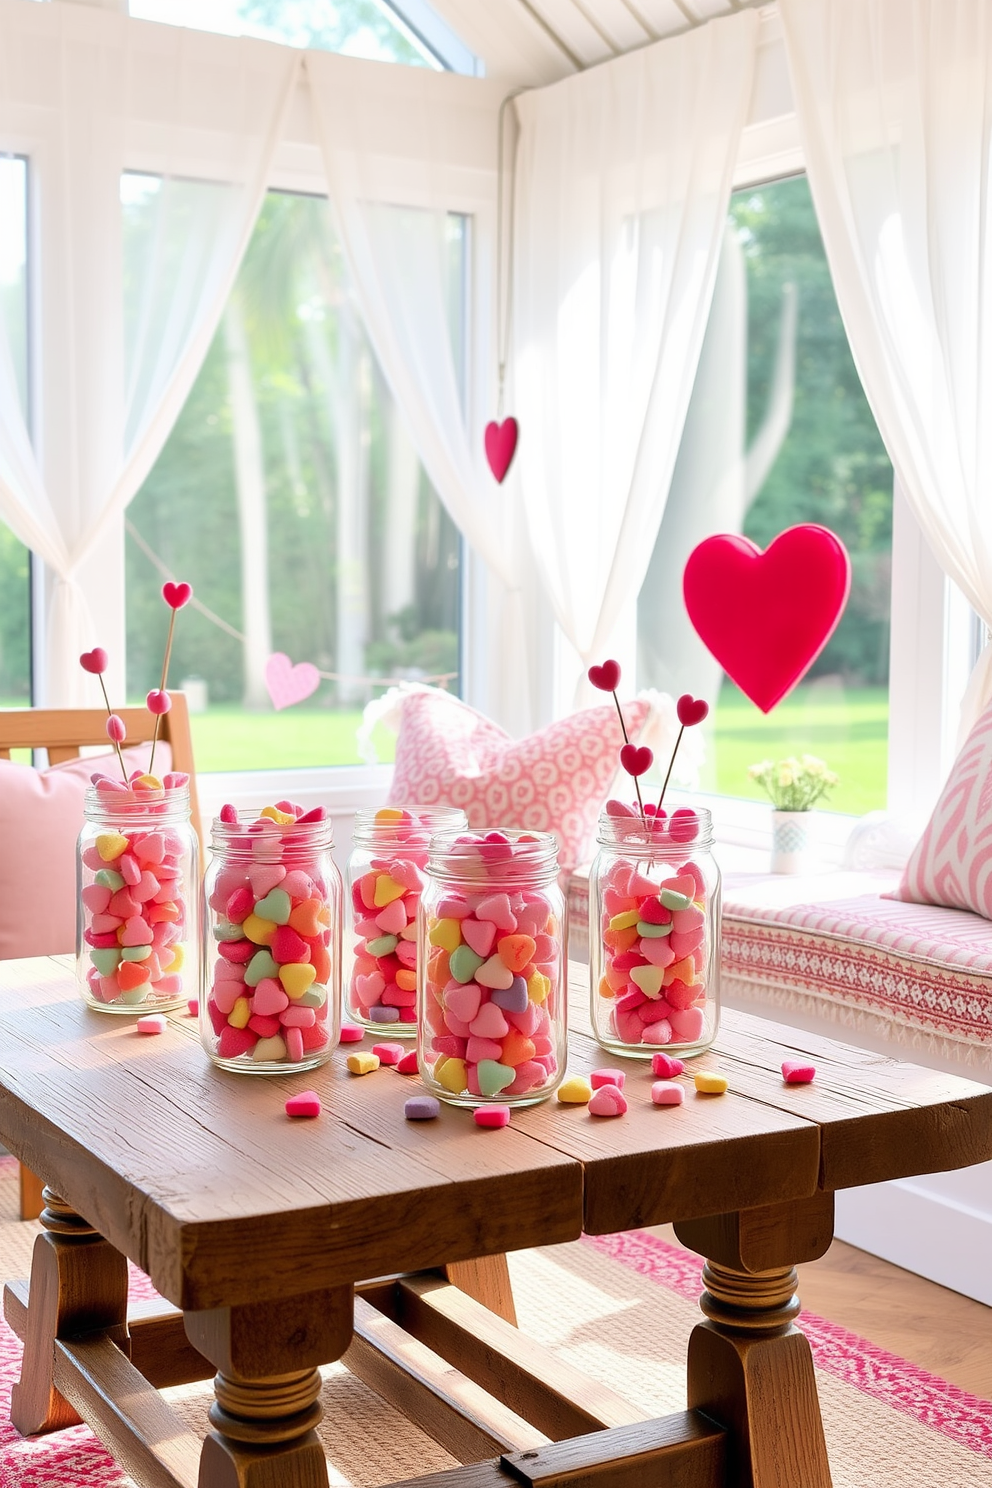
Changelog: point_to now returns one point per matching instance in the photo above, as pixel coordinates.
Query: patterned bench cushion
(914, 965)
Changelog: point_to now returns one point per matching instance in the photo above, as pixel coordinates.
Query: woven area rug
(620, 1307)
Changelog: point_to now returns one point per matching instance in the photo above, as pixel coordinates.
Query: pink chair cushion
(553, 781)
(951, 864)
(41, 813)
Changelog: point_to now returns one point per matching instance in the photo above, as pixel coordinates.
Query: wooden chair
(64, 732)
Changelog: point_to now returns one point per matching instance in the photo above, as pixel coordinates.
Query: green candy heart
(315, 996)
(652, 932)
(106, 959)
(493, 1077)
(672, 899)
(261, 965)
(223, 931)
(136, 995)
(383, 945)
(136, 953)
(109, 878)
(463, 963)
(276, 906)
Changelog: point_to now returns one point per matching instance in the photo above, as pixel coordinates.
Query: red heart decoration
(766, 616)
(94, 661)
(691, 710)
(501, 445)
(605, 677)
(176, 595)
(636, 761)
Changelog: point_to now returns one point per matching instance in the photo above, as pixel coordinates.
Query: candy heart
(446, 933)
(259, 931)
(501, 444)
(636, 761)
(493, 1077)
(305, 919)
(265, 877)
(306, 1104)
(517, 1049)
(270, 999)
(110, 845)
(298, 885)
(665, 1092)
(496, 908)
(392, 919)
(451, 1073)
(105, 960)
(691, 710)
(463, 1002)
(369, 988)
(484, 1048)
(131, 975)
(685, 942)
(608, 1100)
(489, 1023)
(177, 595)
(766, 616)
(516, 951)
(275, 906)
(229, 814)
(617, 808)
(480, 935)
(381, 945)
(648, 978)
(494, 973)
(288, 946)
(94, 661)
(683, 825)
(657, 951)
(406, 953)
(512, 999)
(493, 1117)
(234, 1042)
(607, 679)
(464, 963)
(798, 1071)
(687, 1025)
(136, 932)
(296, 978)
(657, 1033)
(666, 1066)
(96, 897)
(386, 890)
(261, 965)
(407, 874)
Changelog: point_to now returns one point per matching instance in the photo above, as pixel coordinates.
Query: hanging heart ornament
(766, 616)
(289, 684)
(501, 445)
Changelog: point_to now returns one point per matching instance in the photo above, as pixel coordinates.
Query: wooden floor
(935, 1328)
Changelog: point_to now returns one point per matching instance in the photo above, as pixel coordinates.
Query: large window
(290, 496)
(15, 583)
(779, 432)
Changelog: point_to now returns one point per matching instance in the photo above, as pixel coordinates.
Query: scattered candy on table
(408, 1064)
(421, 1108)
(666, 1065)
(351, 1033)
(798, 1071)
(151, 1023)
(193, 1007)
(363, 1063)
(667, 1093)
(608, 1100)
(710, 1082)
(607, 1077)
(390, 1054)
(307, 1103)
(575, 1090)
(491, 1116)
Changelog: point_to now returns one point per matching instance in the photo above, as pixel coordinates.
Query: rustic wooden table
(284, 1245)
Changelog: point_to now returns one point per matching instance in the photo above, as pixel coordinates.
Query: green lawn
(229, 738)
(847, 728)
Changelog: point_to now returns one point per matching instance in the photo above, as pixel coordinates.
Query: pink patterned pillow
(952, 862)
(555, 780)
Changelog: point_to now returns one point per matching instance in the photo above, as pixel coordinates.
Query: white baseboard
(939, 1226)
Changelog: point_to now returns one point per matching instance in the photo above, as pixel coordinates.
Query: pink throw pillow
(951, 864)
(553, 781)
(41, 813)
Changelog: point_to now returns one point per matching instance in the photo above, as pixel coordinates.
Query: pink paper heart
(766, 616)
(176, 595)
(501, 444)
(289, 684)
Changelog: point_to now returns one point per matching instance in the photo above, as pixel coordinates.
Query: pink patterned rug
(946, 1436)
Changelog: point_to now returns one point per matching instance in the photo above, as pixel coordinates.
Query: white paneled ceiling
(529, 42)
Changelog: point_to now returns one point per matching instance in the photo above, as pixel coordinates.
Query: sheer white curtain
(622, 188)
(894, 99)
(125, 319)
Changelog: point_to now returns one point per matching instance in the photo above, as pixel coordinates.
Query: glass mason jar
(654, 934)
(137, 897)
(384, 878)
(272, 945)
(491, 982)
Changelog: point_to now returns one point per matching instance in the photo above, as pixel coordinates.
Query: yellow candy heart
(149, 782)
(538, 986)
(240, 1013)
(296, 977)
(575, 1091)
(262, 932)
(710, 1082)
(386, 890)
(388, 814)
(110, 845)
(446, 933)
(452, 1075)
(363, 1063)
(648, 978)
(274, 814)
(177, 962)
(624, 921)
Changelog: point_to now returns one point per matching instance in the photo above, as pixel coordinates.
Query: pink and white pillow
(952, 862)
(556, 780)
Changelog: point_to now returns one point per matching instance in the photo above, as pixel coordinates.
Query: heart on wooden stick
(766, 616)
(289, 684)
(501, 445)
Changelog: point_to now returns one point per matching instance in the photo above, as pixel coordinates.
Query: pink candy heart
(265, 877)
(489, 1023)
(691, 710)
(94, 661)
(636, 761)
(798, 1071)
(177, 595)
(407, 874)
(608, 1100)
(496, 908)
(370, 988)
(491, 1116)
(463, 1001)
(501, 445)
(480, 935)
(136, 932)
(289, 684)
(392, 919)
(605, 677)
(307, 1103)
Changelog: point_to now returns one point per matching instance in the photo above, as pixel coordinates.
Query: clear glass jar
(384, 879)
(491, 1010)
(272, 945)
(137, 898)
(654, 934)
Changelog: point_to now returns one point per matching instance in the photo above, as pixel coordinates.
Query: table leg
(267, 1387)
(750, 1369)
(487, 1280)
(78, 1285)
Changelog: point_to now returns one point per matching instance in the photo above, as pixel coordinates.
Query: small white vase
(790, 841)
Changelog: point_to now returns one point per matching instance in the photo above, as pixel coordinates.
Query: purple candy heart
(384, 1014)
(421, 1108)
(512, 999)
